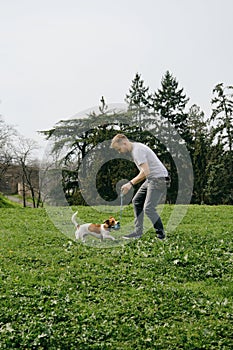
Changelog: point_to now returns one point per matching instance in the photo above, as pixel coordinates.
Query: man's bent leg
(154, 194)
(138, 204)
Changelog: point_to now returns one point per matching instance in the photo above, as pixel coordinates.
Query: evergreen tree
(138, 99)
(222, 133)
(199, 149)
(170, 103)
(217, 189)
(222, 114)
(81, 147)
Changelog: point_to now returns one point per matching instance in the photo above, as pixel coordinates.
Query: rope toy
(117, 226)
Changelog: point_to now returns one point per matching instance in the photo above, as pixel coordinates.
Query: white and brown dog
(100, 231)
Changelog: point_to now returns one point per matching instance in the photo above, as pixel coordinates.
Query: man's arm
(144, 172)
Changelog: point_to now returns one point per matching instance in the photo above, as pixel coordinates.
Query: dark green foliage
(219, 186)
(170, 103)
(222, 132)
(199, 148)
(138, 100)
(222, 114)
(110, 174)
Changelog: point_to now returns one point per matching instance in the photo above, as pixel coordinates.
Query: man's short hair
(119, 138)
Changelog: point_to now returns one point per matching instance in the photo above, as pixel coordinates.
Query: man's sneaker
(133, 235)
(161, 235)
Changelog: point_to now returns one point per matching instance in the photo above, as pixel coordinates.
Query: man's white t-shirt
(143, 154)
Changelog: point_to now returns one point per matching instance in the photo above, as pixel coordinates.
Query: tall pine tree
(170, 102)
(222, 133)
(138, 99)
(199, 150)
(222, 114)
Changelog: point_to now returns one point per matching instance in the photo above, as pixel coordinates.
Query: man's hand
(144, 171)
(126, 187)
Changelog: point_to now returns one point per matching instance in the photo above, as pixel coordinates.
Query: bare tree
(6, 134)
(23, 156)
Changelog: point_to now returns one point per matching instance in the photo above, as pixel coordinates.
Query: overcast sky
(58, 57)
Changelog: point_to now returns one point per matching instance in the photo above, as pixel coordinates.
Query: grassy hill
(58, 294)
(5, 203)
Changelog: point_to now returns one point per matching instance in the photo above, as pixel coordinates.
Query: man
(156, 178)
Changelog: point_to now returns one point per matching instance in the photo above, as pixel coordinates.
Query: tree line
(160, 120)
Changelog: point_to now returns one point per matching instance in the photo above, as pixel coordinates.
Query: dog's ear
(107, 222)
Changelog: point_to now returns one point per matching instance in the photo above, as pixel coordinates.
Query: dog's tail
(73, 219)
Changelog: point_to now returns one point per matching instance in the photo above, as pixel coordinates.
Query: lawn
(59, 294)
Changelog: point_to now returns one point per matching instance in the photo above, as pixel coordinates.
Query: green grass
(58, 294)
(5, 203)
